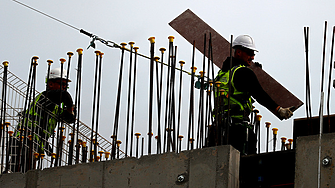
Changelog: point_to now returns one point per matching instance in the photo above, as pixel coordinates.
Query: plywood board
(192, 28)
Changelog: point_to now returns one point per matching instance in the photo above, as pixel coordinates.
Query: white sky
(276, 26)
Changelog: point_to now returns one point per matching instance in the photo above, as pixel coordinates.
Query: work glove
(67, 116)
(258, 64)
(285, 113)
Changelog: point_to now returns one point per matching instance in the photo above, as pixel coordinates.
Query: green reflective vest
(240, 102)
(52, 122)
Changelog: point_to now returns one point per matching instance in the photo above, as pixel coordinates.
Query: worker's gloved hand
(258, 64)
(67, 116)
(285, 113)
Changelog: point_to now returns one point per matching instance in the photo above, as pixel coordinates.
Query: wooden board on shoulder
(193, 28)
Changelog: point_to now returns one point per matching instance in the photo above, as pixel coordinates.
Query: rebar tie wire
(108, 43)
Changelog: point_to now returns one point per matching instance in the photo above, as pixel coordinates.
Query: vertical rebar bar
(191, 117)
(137, 139)
(179, 105)
(330, 77)
(70, 156)
(77, 101)
(97, 53)
(98, 108)
(159, 94)
(151, 90)
(275, 131)
(133, 103)
(159, 139)
(118, 100)
(170, 56)
(3, 112)
(267, 124)
(60, 123)
(129, 92)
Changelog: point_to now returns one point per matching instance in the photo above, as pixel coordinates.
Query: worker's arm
(245, 80)
(68, 113)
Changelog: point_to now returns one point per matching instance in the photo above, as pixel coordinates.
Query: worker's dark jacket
(45, 113)
(244, 86)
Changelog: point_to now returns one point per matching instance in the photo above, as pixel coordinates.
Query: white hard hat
(245, 41)
(56, 74)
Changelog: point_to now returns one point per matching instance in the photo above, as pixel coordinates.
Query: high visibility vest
(51, 124)
(238, 100)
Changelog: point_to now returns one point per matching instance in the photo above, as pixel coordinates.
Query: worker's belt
(244, 124)
(236, 110)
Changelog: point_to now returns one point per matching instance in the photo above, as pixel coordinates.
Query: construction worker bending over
(45, 113)
(244, 85)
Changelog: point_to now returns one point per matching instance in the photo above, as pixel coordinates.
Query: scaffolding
(41, 150)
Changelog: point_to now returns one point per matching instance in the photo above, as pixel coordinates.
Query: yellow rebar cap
(152, 39)
(171, 38)
(131, 43)
(62, 60)
(97, 52)
(217, 83)
(70, 54)
(162, 49)
(137, 134)
(5, 63)
(275, 130)
(123, 45)
(80, 51)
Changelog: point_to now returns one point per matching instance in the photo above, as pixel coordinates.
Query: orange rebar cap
(267, 124)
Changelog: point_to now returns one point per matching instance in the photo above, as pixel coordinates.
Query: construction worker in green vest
(244, 88)
(44, 114)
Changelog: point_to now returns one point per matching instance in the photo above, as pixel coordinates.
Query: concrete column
(307, 161)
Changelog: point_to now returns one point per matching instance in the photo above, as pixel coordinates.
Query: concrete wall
(307, 161)
(209, 167)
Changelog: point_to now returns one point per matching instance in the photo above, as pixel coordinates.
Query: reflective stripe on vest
(236, 96)
(52, 123)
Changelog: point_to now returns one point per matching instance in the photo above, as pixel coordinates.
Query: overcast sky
(276, 26)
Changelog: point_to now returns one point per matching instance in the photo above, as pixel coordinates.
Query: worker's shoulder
(244, 70)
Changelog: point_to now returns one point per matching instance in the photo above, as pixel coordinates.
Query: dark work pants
(237, 137)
